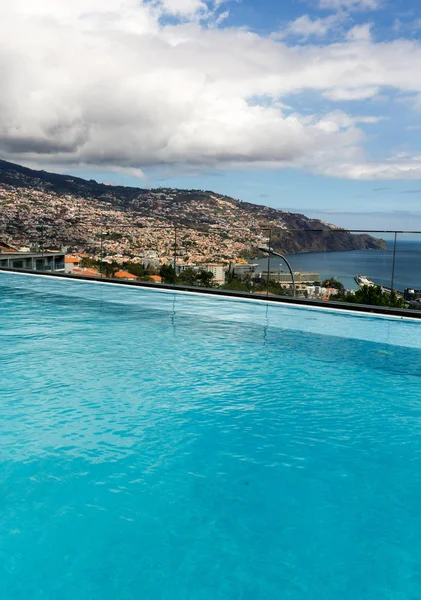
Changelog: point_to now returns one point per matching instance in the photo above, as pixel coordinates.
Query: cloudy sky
(312, 105)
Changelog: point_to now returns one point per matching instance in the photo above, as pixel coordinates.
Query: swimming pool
(177, 446)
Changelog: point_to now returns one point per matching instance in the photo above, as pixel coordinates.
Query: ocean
(375, 264)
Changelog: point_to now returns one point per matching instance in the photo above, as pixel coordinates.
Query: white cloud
(344, 94)
(388, 170)
(360, 33)
(105, 82)
(221, 17)
(350, 5)
(306, 27)
(183, 7)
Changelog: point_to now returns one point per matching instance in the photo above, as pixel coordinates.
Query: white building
(217, 270)
(70, 262)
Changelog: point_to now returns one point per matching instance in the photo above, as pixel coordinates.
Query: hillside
(86, 215)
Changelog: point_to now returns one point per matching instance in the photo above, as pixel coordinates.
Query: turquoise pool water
(170, 446)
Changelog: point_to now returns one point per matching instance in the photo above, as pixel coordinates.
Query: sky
(311, 106)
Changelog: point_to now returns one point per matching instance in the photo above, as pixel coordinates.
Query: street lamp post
(270, 251)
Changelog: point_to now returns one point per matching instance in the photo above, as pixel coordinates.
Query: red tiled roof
(7, 248)
(88, 272)
(124, 275)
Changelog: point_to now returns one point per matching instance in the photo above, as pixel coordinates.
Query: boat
(362, 280)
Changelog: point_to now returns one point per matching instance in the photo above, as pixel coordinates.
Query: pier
(363, 280)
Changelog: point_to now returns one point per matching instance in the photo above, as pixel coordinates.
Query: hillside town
(52, 222)
(59, 210)
(238, 275)
(94, 226)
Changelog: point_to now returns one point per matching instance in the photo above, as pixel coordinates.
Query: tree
(188, 276)
(334, 283)
(230, 276)
(374, 295)
(276, 288)
(237, 285)
(205, 278)
(167, 273)
(135, 269)
(87, 261)
(109, 269)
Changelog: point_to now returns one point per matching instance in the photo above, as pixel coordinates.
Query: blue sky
(310, 105)
(268, 14)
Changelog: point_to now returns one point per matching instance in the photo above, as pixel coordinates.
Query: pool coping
(305, 302)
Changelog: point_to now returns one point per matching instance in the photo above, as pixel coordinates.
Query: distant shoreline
(345, 264)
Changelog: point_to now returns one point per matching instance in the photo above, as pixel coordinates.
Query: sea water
(375, 264)
(171, 446)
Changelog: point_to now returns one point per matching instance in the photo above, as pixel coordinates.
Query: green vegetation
(238, 285)
(372, 295)
(187, 277)
(192, 277)
(91, 263)
(334, 283)
(167, 273)
(254, 285)
(135, 269)
(108, 269)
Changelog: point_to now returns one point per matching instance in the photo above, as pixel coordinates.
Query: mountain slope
(84, 215)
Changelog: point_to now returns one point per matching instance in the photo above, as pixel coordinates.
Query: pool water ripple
(161, 445)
